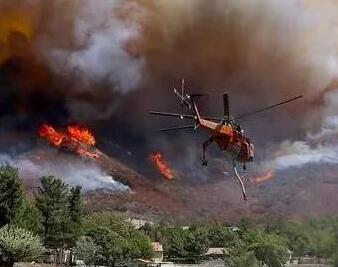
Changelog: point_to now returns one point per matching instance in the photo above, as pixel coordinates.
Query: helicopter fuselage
(229, 139)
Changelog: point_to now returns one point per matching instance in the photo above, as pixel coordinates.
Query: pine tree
(75, 215)
(53, 204)
(11, 194)
(28, 217)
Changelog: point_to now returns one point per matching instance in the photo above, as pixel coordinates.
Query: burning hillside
(268, 175)
(76, 139)
(145, 197)
(161, 165)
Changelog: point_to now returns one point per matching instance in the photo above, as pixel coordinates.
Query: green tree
(121, 243)
(297, 236)
(239, 255)
(18, 245)
(52, 202)
(174, 242)
(324, 243)
(197, 243)
(256, 247)
(111, 246)
(269, 249)
(75, 216)
(314, 236)
(11, 193)
(114, 221)
(154, 232)
(300, 245)
(139, 245)
(28, 217)
(219, 235)
(334, 258)
(244, 259)
(191, 243)
(87, 250)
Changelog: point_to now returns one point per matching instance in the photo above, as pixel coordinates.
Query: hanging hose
(240, 181)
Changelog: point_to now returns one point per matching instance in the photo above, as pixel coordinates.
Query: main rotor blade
(185, 116)
(226, 105)
(211, 118)
(178, 128)
(168, 114)
(266, 108)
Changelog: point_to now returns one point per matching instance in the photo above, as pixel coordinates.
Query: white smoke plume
(70, 169)
(300, 153)
(317, 148)
(99, 50)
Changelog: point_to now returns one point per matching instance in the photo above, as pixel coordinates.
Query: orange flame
(74, 133)
(81, 134)
(76, 138)
(161, 165)
(263, 178)
(53, 136)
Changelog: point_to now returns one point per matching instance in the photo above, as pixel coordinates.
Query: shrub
(18, 244)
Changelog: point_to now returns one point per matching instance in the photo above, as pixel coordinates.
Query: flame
(161, 165)
(76, 138)
(53, 136)
(81, 134)
(263, 178)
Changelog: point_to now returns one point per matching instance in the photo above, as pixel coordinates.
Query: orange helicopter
(224, 131)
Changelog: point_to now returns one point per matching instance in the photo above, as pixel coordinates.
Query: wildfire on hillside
(161, 165)
(263, 178)
(75, 138)
(81, 134)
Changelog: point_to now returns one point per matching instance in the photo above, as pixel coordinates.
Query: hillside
(296, 193)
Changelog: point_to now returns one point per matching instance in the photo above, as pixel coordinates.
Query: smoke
(76, 66)
(300, 153)
(262, 52)
(72, 170)
(105, 63)
(97, 50)
(318, 148)
(99, 47)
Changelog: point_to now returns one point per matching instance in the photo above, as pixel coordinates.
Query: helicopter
(225, 131)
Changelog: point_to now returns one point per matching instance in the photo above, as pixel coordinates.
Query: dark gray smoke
(105, 63)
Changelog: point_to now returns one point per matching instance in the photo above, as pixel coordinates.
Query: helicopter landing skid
(239, 178)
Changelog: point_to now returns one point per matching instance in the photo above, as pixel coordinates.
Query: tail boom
(201, 122)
